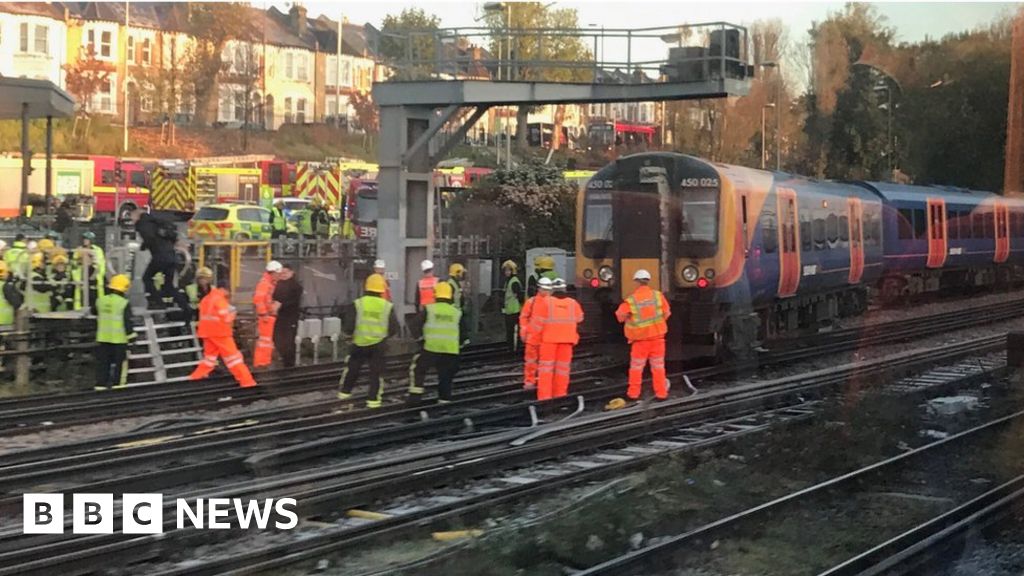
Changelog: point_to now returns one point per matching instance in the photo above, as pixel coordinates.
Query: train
(744, 255)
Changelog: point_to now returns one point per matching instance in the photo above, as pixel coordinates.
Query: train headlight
(605, 274)
(690, 273)
(709, 273)
(588, 273)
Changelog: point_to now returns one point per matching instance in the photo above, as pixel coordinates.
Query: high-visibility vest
(559, 320)
(263, 297)
(40, 301)
(99, 264)
(456, 292)
(373, 314)
(530, 324)
(426, 287)
(531, 282)
(512, 305)
(647, 318)
(277, 219)
(192, 291)
(110, 328)
(306, 222)
(6, 311)
(216, 315)
(441, 330)
(13, 257)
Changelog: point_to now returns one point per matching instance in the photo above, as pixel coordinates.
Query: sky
(912, 20)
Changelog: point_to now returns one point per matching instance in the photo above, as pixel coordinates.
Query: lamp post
(778, 113)
(763, 154)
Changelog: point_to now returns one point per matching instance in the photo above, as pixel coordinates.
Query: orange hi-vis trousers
(225, 348)
(553, 370)
(264, 351)
(531, 353)
(640, 353)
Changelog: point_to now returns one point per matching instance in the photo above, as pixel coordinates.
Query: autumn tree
(410, 35)
(212, 25)
(520, 50)
(86, 77)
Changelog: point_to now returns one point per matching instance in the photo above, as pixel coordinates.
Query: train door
(1002, 233)
(936, 232)
(789, 243)
(637, 242)
(856, 225)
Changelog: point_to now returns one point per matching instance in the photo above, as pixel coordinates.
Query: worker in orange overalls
(216, 315)
(557, 317)
(529, 332)
(266, 314)
(645, 315)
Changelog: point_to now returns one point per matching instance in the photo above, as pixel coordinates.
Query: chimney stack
(298, 14)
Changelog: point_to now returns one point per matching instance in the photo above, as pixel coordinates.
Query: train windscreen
(698, 228)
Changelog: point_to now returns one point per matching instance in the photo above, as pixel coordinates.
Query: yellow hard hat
(456, 270)
(120, 282)
(544, 262)
(204, 272)
(615, 404)
(37, 260)
(443, 290)
(60, 259)
(375, 283)
(510, 265)
(45, 244)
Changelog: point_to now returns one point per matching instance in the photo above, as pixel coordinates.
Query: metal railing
(684, 53)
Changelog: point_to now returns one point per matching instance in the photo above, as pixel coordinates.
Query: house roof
(277, 29)
(353, 37)
(53, 10)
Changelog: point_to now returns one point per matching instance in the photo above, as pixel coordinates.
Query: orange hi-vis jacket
(645, 314)
(558, 318)
(263, 297)
(216, 315)
(529, 323)
(426, 288)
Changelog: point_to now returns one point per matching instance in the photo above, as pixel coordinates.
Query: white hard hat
(558, 284)
(544, 284)
(641, 274)
(274, 266)
(379, 264)
(32, 245)
(426, 265)
(3, 244)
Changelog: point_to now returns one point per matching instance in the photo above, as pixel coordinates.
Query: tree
(529, 205)
(86, 77)
(367, 116)
(212, 25)
(410, 35)
(521, 50)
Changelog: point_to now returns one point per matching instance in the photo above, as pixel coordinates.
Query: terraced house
(285, 71)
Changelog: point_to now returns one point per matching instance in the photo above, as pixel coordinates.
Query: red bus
(605, 135)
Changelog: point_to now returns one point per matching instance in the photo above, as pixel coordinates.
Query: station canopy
(44, 99)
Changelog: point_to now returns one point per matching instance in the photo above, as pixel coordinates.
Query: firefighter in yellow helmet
(512, 303)
(543, 267)
(113, 332)
(63, 296)
(371, 320)
(456, 274)
(39, 298)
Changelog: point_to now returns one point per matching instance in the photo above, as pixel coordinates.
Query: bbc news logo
(144, 513)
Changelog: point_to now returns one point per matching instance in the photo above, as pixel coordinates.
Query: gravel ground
(998, 554)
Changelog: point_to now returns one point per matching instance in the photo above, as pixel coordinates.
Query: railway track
(832, 497)
(595, 442)
(46, 412)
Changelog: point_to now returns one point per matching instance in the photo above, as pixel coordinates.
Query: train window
(597, 216)
(1017, 222)
(990, 225)
(978, 224)
(746, 235)
(953, 224)
(844, 228)
(832, 228)
(806, 241)
(905, 222)
(819, 233)
(965, 224)
(876, 229)
(920, 225)
(769, 233)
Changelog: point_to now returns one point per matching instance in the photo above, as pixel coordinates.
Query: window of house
(105, 41)
(42, 44)
(131, 49)
(332, 71)
(240, 106)
(346, 73)
(23, 35)
(288, 110)
(147, 103)
(300, 111)
(332, 107)
(289, 65)
(302, 72)
(146, 51)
